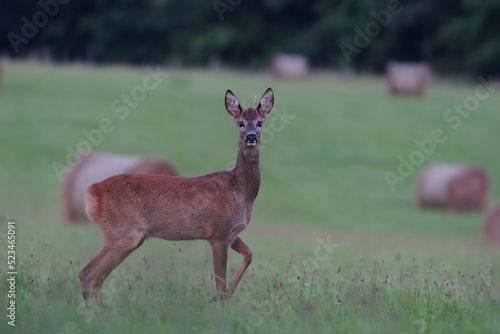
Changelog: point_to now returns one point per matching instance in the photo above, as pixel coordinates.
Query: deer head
(250, 120)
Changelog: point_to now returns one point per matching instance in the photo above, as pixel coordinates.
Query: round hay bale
(289, 66)
(97, 167)
(453, 187)
(492, 226)
(153, 166)
(407, 78)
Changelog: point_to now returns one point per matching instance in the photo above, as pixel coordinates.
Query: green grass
(402, 269)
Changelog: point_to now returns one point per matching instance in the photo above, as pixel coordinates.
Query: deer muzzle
(251, 139)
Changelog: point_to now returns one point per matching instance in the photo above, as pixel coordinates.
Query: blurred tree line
(453, 35)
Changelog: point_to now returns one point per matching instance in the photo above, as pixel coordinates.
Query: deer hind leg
(111, 255)
(219, 254)
(239, 246)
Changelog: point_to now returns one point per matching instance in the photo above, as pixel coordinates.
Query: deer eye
(241, 124)
(259, 124)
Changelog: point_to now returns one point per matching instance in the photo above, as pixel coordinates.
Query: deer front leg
(219, 253)
(240, 247)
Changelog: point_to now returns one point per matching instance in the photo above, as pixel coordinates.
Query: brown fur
(215, 207)
(97, 167)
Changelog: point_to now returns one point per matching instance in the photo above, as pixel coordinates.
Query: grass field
(335, 249)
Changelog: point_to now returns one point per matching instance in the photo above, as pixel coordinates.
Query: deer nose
(251, 137)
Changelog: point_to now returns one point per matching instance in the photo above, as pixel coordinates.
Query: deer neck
(247, 171)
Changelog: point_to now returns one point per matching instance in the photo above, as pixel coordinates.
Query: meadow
(336, 250)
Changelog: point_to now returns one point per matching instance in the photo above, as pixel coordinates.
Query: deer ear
(233, 105)
(266, 103)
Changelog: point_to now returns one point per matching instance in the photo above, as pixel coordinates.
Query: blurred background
(456, 37)
(383, 140)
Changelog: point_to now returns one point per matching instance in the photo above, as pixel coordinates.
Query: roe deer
(216, 207)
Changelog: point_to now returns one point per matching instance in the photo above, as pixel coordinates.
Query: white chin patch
(252, 144)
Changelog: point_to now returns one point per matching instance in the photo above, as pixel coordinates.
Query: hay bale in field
(453, 187)
(97, 167)
(407, 78)
(289, 66)
(492, 226)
